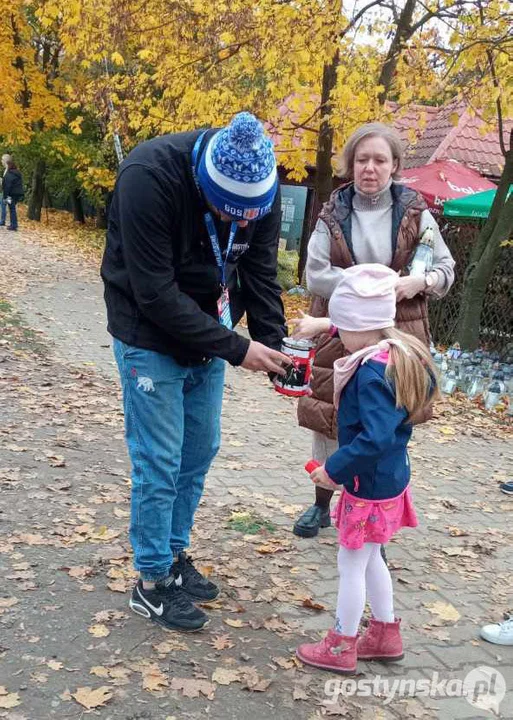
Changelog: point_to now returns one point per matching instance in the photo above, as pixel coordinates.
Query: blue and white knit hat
(237, 171)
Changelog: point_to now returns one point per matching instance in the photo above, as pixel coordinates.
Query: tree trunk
(403, 32)
(324, 170)
(37, 192)
(76, 204)
(484, 259)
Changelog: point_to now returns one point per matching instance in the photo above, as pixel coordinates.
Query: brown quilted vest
(317, 411)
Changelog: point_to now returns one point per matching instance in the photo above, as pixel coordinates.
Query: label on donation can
(296, 382)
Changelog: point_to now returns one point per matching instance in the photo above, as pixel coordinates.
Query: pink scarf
(345, 368)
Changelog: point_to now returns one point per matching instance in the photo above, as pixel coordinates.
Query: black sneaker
(168, 606)
(507, 487)
(193, 583)
(307, 526)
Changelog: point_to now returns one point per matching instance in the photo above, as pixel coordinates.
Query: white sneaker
(500, 634)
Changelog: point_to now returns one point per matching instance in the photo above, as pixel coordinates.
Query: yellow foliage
(178, 66)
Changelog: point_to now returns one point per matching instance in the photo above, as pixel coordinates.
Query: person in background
(5, 158)
(192, 245)
(372, 219)
(12, 187)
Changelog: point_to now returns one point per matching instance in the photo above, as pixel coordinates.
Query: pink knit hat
(364, 299)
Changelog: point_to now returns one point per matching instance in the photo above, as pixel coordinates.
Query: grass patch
(249, 523)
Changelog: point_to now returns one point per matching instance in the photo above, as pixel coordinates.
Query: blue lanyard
(209, 222)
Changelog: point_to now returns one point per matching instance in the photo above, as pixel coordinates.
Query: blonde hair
(412, 371)
(345, 162)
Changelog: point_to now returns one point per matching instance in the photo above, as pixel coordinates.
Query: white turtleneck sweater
(371, 232)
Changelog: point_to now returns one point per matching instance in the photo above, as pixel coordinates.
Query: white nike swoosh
(157, 610)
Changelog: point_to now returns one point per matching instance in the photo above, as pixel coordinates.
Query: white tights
(360, 571)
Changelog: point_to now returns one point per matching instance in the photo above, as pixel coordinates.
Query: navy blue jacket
(373, 436)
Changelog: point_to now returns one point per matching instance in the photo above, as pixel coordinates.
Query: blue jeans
(12, 213)
(173, 432)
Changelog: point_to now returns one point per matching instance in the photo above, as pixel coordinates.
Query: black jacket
(161, 279)
(12, 184)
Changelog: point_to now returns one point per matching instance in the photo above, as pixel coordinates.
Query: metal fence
(497, 318)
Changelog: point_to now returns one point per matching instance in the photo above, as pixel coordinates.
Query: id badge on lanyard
(223, 309)
(223, 303)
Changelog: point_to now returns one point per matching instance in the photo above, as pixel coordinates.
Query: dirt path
(64, 555)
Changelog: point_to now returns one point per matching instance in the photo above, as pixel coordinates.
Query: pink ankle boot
(335, 652)
(381, 641)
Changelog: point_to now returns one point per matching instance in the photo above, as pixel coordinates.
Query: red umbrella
(444, 180)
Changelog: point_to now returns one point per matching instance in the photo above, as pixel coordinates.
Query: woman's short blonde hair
(345, 163)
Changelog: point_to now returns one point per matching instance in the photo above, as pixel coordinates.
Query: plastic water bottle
(423, 259)
(495, 391)
(449, 382)
(477, 384)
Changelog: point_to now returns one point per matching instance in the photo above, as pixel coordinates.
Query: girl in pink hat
(381, 386)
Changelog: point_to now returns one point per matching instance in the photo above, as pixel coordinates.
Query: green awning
(471, 206)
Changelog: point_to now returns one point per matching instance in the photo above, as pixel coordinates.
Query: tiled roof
(443, 140)
(437, 137)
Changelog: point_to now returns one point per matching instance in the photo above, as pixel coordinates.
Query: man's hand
(408, 286)
(308, 327)
(260, 357)
(321, 478)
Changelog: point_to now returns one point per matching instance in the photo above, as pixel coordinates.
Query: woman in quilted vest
(372, 219)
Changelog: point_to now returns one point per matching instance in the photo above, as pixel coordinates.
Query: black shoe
(168, 606)
(308, 524)
(193, 583)
(11, 228)
(507, 487)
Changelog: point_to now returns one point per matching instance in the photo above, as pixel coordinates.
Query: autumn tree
(482, 46)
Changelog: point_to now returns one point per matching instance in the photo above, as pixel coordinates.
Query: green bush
(287, 268)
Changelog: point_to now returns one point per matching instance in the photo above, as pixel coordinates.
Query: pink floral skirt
(360, 521)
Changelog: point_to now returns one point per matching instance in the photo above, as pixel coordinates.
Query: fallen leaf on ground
(99, 630)
(54, 664)
(445, 611)
(255, 683)
(7, 699)
(457, 532)
(192, 688)
(154, 680)
(459, 552)
(167, 646)
(120, 586)
(309, 603)
(92, 697)
(80, 571)
(225, 676)
(222, 642)
(8, 602)
(234, 623)
(446, 430)
(285, 663)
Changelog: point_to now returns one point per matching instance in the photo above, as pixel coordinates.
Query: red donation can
(296, 381)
